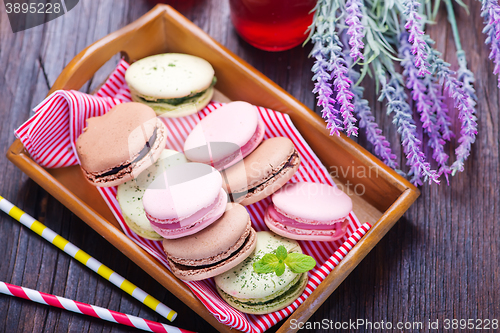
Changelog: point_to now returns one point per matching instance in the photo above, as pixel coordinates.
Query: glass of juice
(272, 25)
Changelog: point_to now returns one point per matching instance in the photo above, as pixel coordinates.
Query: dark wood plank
(440, 261)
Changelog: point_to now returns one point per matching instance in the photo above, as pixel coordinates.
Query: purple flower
(414, 27)
(466, 110)
(344, 95)
(490, 11)
(356, 30)
(393, 92)
(381, 146)
(328, 54)
(429, 101)
(323, 89)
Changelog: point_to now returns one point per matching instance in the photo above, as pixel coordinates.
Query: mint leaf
(300, 263)
(267, 264)
(281, 253)
(280, 269)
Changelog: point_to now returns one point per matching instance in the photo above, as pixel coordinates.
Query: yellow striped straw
(87, 260)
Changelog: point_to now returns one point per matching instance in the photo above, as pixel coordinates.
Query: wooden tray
(386, 194)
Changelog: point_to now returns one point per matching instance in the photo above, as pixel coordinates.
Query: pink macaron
(184, 200)
(309, 211)
(225, 136)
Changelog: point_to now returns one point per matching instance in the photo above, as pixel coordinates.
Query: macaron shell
(312, 202)
(226, 129)
(196, 274)
(135, 168)
(279, 303)
(195, 224)
(129, 194)
(181, 191)
(142, 230)
(126, 128)
(209, 242)
(273, 185)
(169, 75)
(272, 164)
(258, 286)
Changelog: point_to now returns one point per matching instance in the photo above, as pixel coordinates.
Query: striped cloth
(64, 113)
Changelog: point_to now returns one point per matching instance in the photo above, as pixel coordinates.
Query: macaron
(254, 293)
(120, 144)
(262, 172)
(129, 194)
(184, 199)
(225, 136)
(215, 249)
(173, 84)
(309, 211)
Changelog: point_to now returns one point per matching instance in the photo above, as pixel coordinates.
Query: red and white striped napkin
(50, 135)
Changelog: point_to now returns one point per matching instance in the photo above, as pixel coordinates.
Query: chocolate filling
(143, 153)
(289, 164)
(182, 267)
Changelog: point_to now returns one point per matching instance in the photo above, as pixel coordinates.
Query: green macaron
(256, 293)
(173, 84)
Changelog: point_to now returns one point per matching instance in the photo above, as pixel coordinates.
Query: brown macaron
(215, 249)
(120, 144)
(261, 173)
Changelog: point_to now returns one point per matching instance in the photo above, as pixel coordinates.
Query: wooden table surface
(440, 261)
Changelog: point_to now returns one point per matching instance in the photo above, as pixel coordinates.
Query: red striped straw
(87, 309)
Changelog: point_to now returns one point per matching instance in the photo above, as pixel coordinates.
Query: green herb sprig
(297, 262)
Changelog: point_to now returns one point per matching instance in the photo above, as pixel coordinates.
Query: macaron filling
(172, 228)
(277, 221)
(292, 162)
(281, 218)
(143, 153)
(246, 240)
(176, 101)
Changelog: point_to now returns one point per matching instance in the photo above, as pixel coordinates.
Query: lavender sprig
(393, 92)
(356, 30)
(324, 92)
(414, 27)
(381, 147)
(344, 95)
(328, 50)
(466, 113)
(490, 11)
(430, 106)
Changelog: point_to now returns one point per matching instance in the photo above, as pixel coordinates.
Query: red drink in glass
(272, 25)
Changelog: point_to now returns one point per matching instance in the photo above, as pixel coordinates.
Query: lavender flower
(430, 106)
(356, 29)
(490, 11)
(381, 146)
(393, 92)
(328, 50)
(344, 95)
(414, 27)
(466, 111)
(323, 89)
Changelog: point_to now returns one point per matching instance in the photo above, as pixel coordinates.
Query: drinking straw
(86, 259)
(87, 309)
